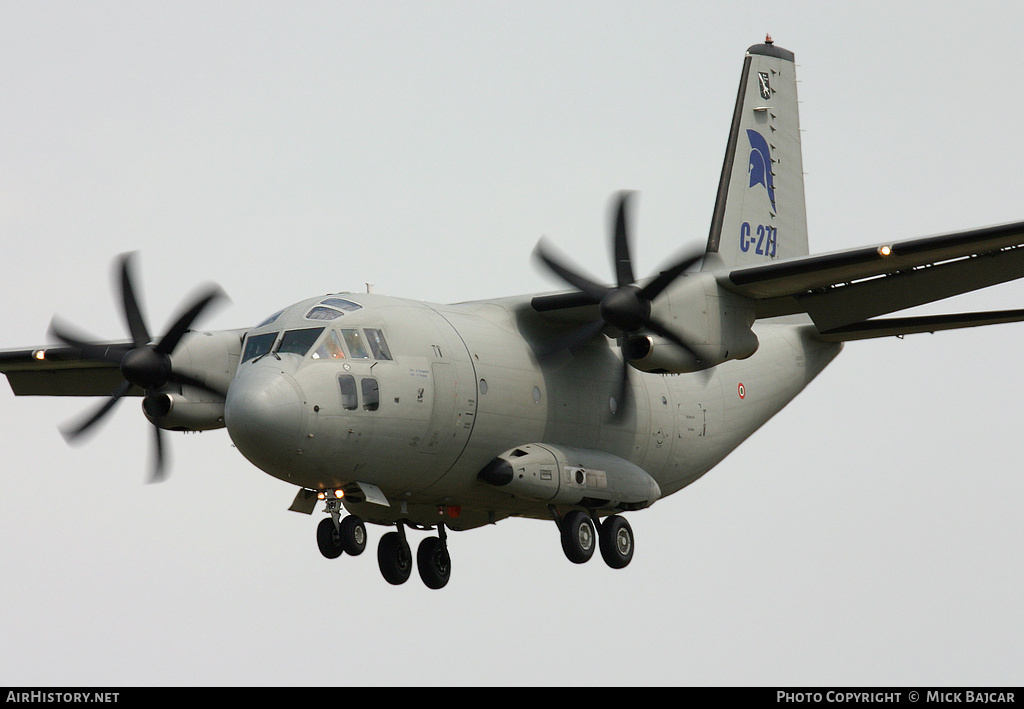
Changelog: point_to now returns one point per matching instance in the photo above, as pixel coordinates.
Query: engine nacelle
(210, 357)
(175, 412)
(560, 475)
(714, 322)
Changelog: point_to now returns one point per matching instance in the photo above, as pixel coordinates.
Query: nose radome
(264, 414)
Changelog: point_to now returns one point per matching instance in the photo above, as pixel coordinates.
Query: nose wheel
(336, 536)
(347, 536)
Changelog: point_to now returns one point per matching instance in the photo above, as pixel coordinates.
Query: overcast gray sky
(869, 534)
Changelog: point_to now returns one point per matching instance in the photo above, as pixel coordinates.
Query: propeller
(626, 306)
(142, 363)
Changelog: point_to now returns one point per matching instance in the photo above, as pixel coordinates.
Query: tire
(616, 540)
(394, 558)
(353, 535)
(328, 539)
(434, 564)
(578, 537)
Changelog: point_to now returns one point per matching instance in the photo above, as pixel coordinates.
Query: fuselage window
(354, 341)
(378, 345)
(349, 398)
(371, 394)
(299, 341)
(341, 304)
(258, 345)
(330, 348)
(322, 313)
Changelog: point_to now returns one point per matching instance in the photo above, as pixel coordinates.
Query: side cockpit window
(378, 345)
(351, 343)
(258, 345)
(354, 342)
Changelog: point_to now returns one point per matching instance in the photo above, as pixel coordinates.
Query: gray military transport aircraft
(573, 406)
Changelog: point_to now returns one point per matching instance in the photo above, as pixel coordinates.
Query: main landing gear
(394, 557)
(613, 536)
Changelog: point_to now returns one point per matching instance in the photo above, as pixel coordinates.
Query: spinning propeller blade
(142, 364)
(626, 306)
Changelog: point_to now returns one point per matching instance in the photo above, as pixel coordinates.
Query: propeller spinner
(142, 363)
(625, 306)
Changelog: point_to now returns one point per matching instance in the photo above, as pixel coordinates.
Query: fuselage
(416, 398)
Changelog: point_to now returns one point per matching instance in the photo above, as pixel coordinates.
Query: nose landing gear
(335, 535)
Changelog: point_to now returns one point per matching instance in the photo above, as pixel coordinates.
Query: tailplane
(759, 211)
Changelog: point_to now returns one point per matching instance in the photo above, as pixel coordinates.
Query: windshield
(299, 341)
(258, 345)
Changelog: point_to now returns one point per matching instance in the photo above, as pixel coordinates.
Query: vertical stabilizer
(759, 211)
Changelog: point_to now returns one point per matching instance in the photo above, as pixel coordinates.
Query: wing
(61, 371)
(842, 291)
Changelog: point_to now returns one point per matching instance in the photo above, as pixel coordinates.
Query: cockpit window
(378, 345)
(299, 341)
(258, 345)
(341, 304)
(354, 341)
(322, 313)
(330, 348)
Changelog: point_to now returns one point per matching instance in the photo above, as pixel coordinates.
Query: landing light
(39, 354)
(885, 251)
(322, 495)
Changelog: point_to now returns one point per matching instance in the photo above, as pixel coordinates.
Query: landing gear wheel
(353, 535)
(616, 540)
(394, 558)
(434, 564)
(578, 537)
(328, 539)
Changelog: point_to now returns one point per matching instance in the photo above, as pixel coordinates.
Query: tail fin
(759, 212)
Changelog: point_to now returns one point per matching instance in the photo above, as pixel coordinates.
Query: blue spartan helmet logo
(760, 165)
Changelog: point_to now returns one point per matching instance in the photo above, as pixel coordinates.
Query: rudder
(760, 215)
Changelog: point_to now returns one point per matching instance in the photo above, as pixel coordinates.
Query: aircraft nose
(265, 415)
